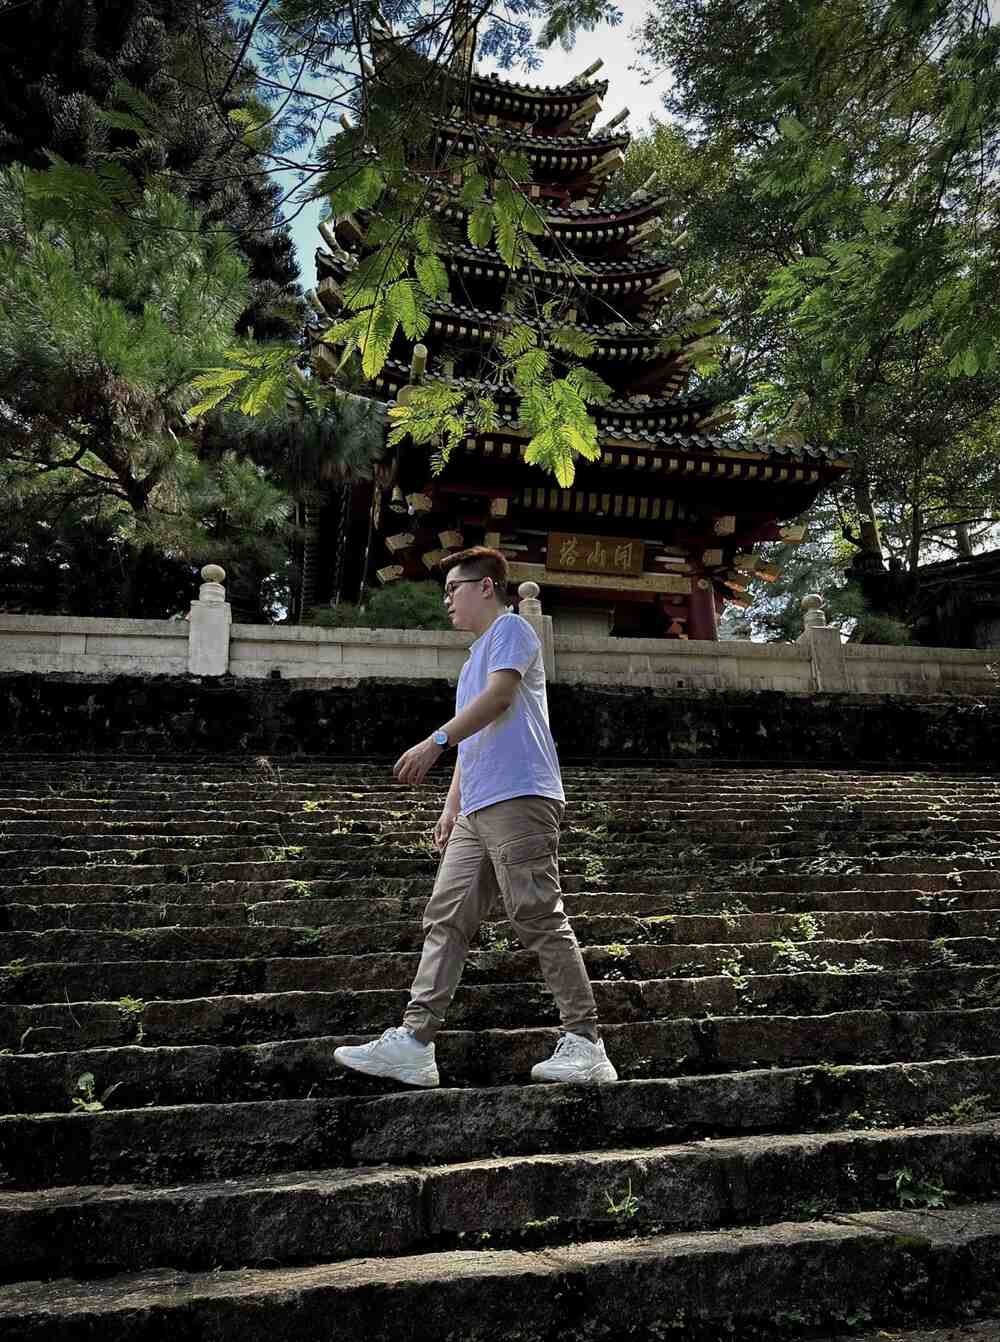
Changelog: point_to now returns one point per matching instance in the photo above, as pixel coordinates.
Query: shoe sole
(590, 1080)
(426, 1082)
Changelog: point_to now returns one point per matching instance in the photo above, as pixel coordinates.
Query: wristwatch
(440, 738)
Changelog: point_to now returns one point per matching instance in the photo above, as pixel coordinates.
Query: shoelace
(386, 1034)
(567, 1043)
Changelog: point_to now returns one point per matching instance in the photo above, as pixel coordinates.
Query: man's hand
(443, 828)
(416, 764)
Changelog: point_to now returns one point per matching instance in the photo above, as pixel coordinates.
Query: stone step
(294, 1068)
(317, 815)
(873, 1265)
(67, 885)
(628, 854)
(624, 852)
(986, 1330)
(378, 921)
(594, 785)
(594, 801)
(406, 896)
(369, 1001)
(268, 940)
(306, 1216)
(222, 1140)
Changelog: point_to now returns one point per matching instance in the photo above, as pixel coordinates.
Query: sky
(612, 45)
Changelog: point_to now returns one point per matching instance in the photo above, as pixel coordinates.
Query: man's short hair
(480, 562)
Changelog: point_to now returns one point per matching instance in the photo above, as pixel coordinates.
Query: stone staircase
(798, 974)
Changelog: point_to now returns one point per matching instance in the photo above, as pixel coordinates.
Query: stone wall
(206, 643)
(93, 646)
(382, 717)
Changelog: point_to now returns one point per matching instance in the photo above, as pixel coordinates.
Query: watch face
(441, 738)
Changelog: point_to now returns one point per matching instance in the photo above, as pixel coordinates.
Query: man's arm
(496, 698)
(499, 694)
(452, 806)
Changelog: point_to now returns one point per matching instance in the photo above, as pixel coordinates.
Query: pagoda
(657, 534)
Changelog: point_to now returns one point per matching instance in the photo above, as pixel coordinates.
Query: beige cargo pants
(511, 847)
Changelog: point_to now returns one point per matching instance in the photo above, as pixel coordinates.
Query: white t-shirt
(513, 756)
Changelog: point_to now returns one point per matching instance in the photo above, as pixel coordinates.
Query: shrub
(401, 605)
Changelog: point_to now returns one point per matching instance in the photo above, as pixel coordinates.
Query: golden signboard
(571, 553)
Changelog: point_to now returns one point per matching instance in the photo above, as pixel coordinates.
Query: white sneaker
(576, 1059)
(396, 1054)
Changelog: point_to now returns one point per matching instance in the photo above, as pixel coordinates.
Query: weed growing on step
(805, 928)
(492, 939)
(733, 969)
(539, 1231)
(310, 936)
(860, 966)
(731, 911)
(791, 957)
(878, 1118)
(289, 852)
(623, 1208)
(594, 868)
(131, 1011)
(300, 889)
(311, 807)
(749, 869)
(11, 972)
(971, 1109)
(827, 864)
(942, 956)
(914, 1191)
(87, 1101)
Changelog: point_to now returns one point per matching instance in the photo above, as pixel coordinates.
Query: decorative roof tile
(568, 143)
(578, 89)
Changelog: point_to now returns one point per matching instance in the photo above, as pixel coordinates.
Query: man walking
(499, 831)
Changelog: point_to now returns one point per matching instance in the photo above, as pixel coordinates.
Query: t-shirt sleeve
(513, 647)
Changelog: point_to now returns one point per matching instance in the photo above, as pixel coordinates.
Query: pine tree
(143, 81)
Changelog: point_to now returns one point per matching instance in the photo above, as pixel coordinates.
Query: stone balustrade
(207, 643)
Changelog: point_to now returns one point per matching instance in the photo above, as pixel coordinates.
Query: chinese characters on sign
(593, 554)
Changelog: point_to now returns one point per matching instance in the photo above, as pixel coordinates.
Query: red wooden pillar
(701, 607)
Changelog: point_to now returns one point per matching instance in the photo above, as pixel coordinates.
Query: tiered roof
(614, 285)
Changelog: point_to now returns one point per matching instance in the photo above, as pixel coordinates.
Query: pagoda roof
(612, 342)
(578, 89)
(619, 421)
(690, 455)
(646, 265)
(535, 143)
(590, 223)
(492, 87)
(621, 278)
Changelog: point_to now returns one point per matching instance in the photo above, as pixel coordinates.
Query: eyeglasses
(449, 587)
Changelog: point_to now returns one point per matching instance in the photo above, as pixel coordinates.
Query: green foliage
(624, 1207)
(105, 319)
(401, 605)
(849, 245)
(85, 1098)
(914, 1190)
(136, 95)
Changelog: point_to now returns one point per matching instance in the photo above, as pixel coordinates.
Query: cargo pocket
(528, 874)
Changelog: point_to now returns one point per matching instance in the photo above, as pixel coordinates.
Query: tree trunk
(962, 537)
(869, 558)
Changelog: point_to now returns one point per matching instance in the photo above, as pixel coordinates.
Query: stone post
(530, 607)
(829, 665)
(210, 620)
